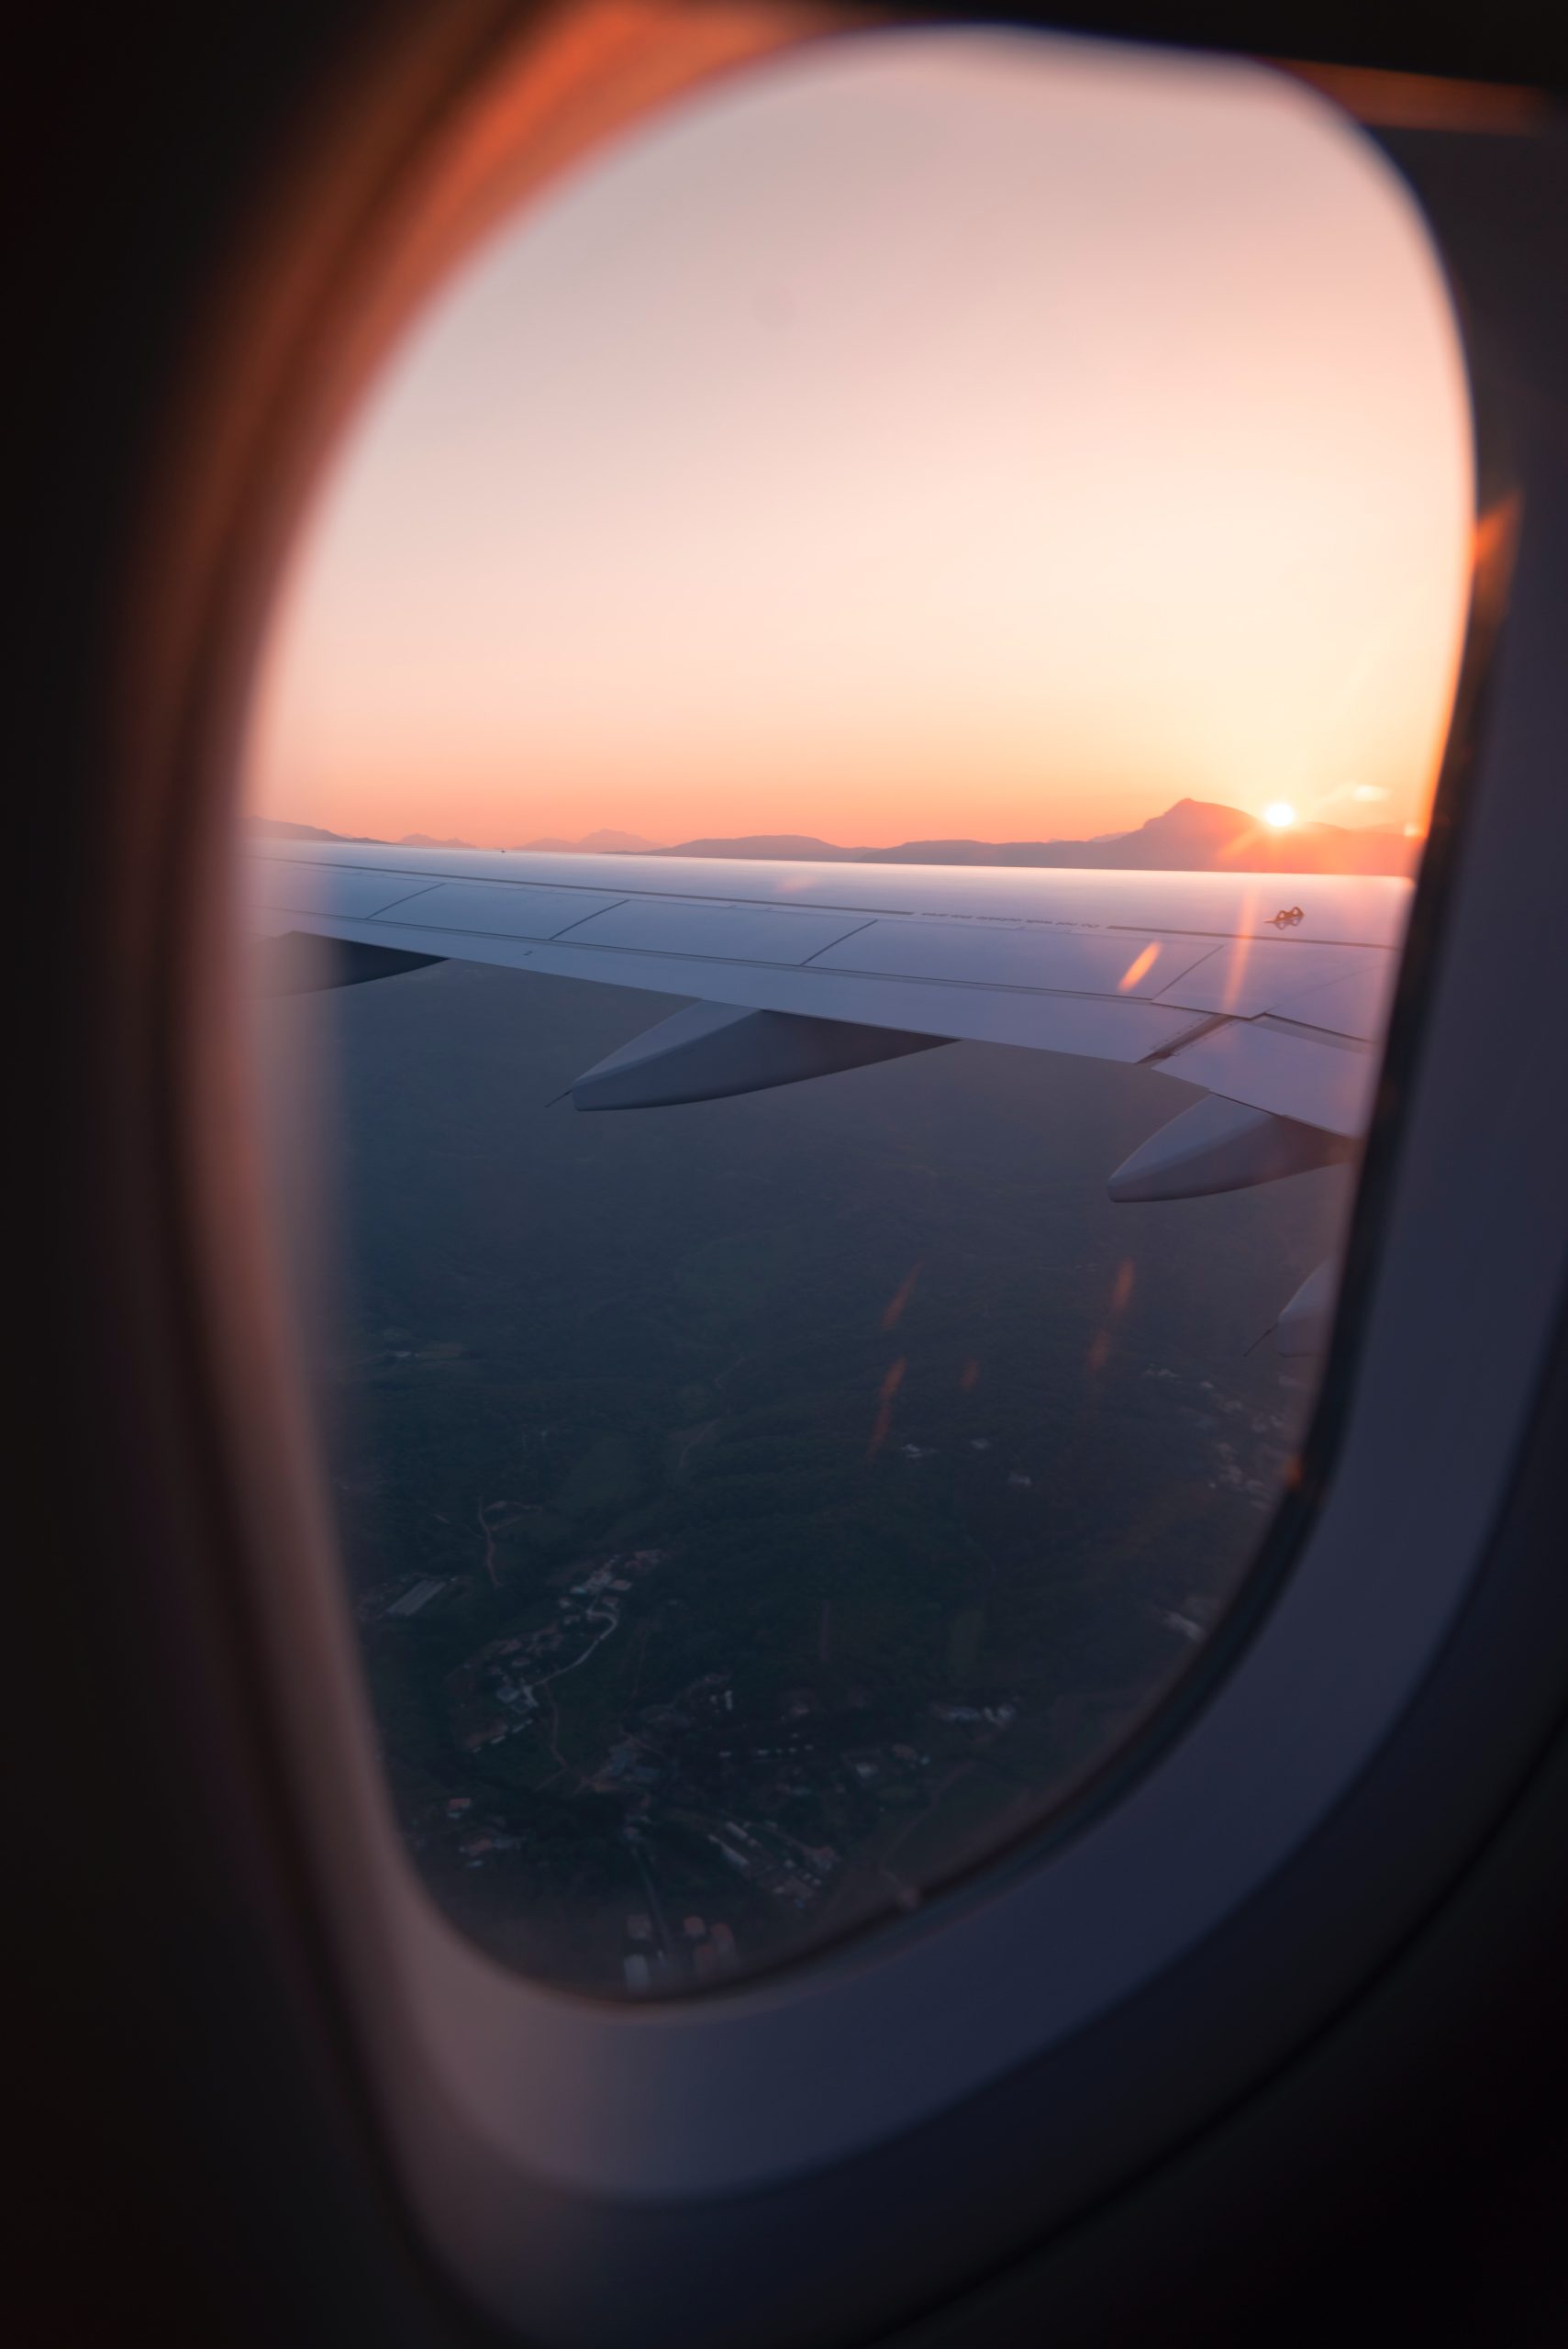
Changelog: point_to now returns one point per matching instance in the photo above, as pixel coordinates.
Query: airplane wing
(1268, 991)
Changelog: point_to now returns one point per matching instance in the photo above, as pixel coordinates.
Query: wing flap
(333, 890)
(1247, 976)
(1309, 1074)
(499, 909)
(1355, 1004)
(1034, 956)
(729, 933)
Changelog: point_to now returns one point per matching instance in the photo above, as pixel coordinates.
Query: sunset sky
(926, 435)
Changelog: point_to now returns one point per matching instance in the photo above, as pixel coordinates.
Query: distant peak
(278, 828)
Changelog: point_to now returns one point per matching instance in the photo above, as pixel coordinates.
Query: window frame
(479, 2075)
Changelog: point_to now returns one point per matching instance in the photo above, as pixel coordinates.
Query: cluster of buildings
(774, 1861)
(493, 1691)
(775, 1803)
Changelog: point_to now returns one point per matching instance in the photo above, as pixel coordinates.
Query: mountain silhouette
(789, 847)
(276, 828)
(1193, 836)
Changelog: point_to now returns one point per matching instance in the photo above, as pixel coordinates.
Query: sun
(1279, 815)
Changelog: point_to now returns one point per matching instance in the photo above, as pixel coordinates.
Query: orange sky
(932, 434)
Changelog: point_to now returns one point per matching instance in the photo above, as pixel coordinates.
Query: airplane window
(831, 810)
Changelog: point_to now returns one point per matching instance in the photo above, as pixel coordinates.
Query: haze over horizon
(1190, 836)
(916, 439)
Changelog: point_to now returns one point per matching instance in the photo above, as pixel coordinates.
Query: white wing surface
(1269, 991)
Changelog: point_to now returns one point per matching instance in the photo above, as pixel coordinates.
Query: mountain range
(1192, 836)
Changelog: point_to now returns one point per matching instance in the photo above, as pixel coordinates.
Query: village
(775, 1804)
